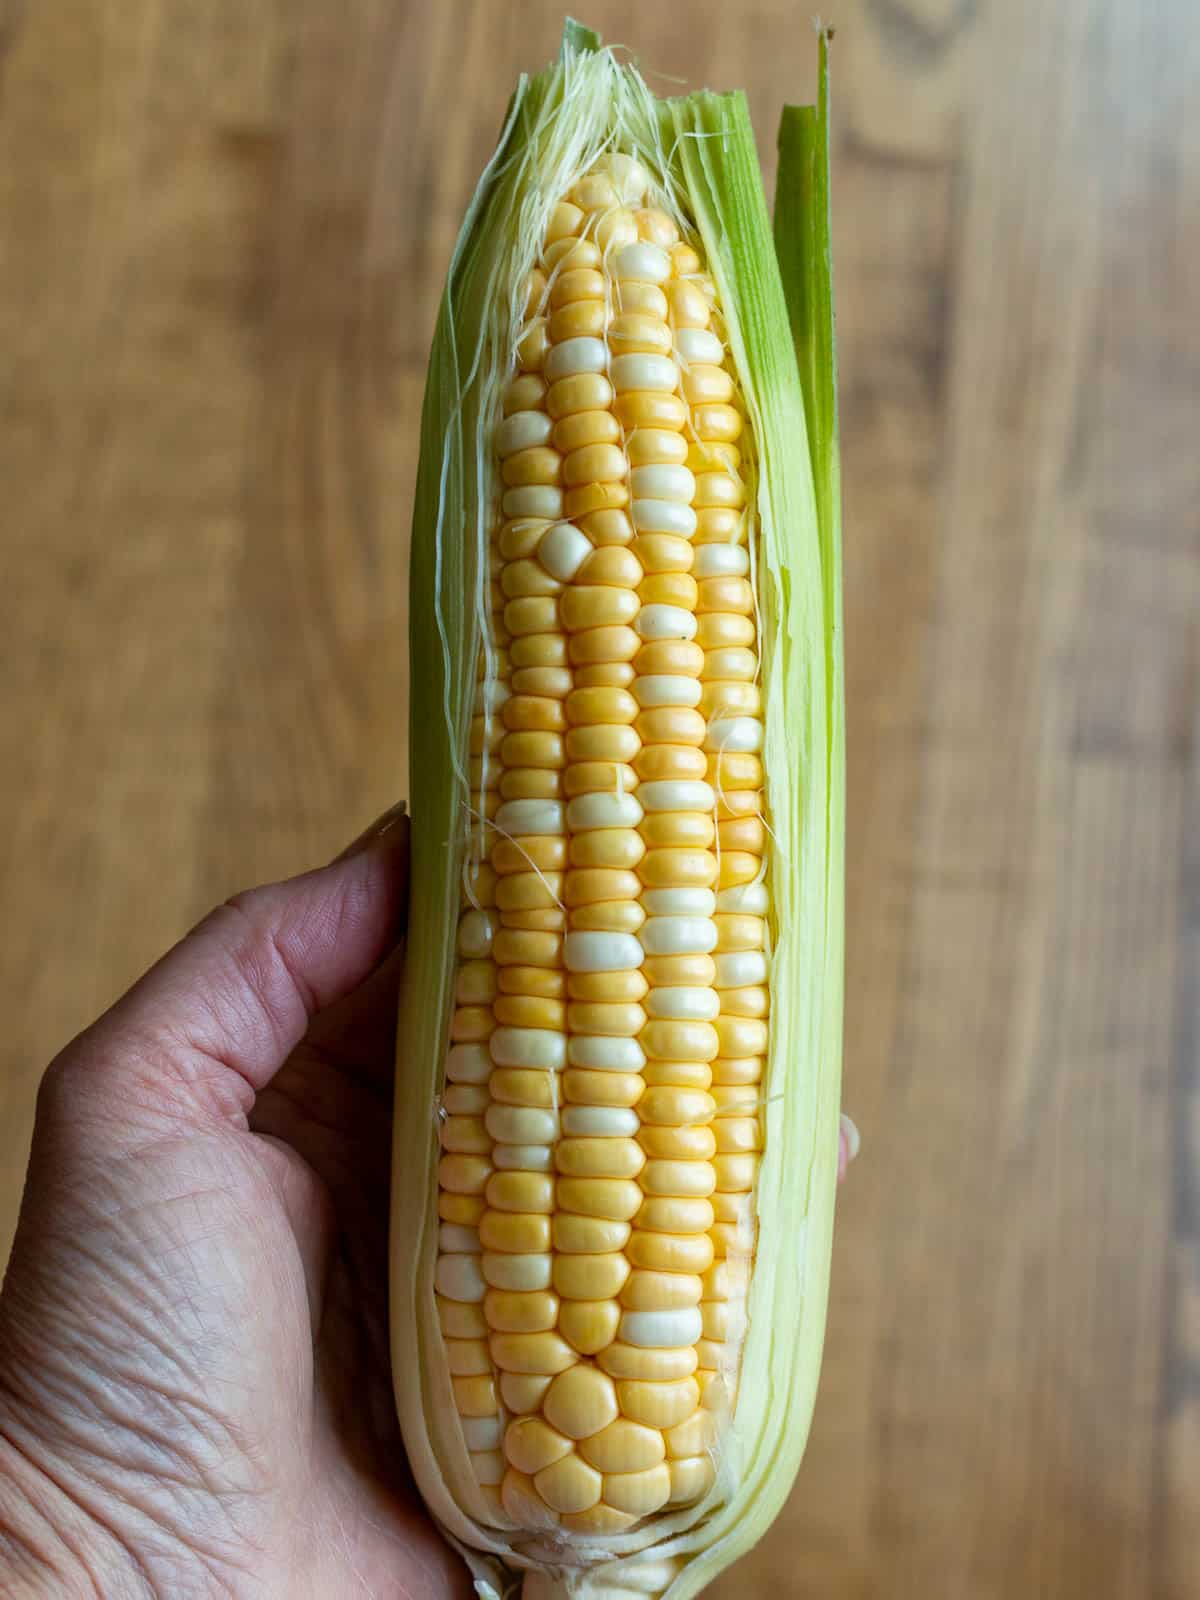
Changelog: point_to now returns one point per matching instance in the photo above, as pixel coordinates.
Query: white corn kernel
(601, 1053)
(677, 794)
(736, 969)
(683, 1005)
(748, 899)
(475, 935)
(468, 1063)
(563, 550)
(600, 1122)
(456, 1240)
(627, 175)
(644, 263)
(698, 344)
(523, 1157)
(741, 734)
(679, 902)
(584, 354)
(604, 810)
(640, 372)
(661, 1330)
(662, 481)
(601, 952)
(663, 516)
(721, 561)
(458, 1277)
(664, 622)
(522, 431)
(523, 817)
(678, 936)
(482, 1433)
(528, 1047)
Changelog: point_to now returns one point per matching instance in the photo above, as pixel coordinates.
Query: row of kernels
(672, 589)
(692, 996)
(661, 485)
(596, 1157)
(737, 1088)
(741, 984)
(510, 1302)
(466, 1102)
(526, 1340)
(661, 1297)
(464, 1171)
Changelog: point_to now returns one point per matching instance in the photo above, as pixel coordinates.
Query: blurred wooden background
(223, 231)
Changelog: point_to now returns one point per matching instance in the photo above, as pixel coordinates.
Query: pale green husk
(700, 151)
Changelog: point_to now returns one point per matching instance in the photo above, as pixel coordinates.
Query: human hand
(195, 1392)
(194, 1374)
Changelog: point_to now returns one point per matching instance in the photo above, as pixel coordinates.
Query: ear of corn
(617, 1080)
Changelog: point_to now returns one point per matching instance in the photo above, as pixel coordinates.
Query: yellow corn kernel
(589, 1325)
(607, 916)
(666, 1252)
(659, 1406)
(586, 428)
(646, 299)
(475, 1397)
(643, 409)
(608, 988)
(661, 763)
(588, 1236)
(569, 1485)
(654, 1291)
(639, 1493)
(463, 1319)
(676, 1074)
(677, 1143)
(648, 1366)
(531, 1444)
(523, 1392)
(535, 1312)
(607, 847)
(531, 1353)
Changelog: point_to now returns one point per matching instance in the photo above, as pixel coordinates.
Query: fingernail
(372, 835)
(851, 1138)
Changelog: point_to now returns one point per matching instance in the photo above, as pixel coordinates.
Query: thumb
(200, 1034)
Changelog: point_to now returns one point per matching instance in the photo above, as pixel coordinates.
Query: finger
(359, 1033)
(849, 1144)
(210, 1024)
(374, 830)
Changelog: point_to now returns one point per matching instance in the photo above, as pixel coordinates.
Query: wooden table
(223, 231)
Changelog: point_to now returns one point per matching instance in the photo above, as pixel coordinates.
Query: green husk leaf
(700, 151)
(803, 243)
(577, 36)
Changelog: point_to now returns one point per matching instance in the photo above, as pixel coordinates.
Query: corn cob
(634, 584)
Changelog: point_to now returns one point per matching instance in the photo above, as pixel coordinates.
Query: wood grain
(224, 226)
